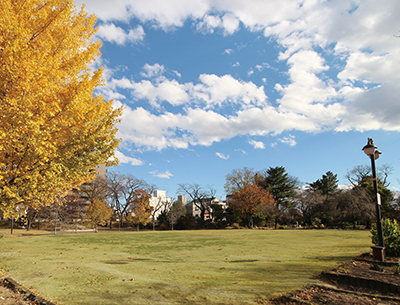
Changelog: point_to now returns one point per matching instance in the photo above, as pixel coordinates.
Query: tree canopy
(142, 208)
(252, 201)
(238, 178)
(327, 185)
(278, 182)
(54, 129)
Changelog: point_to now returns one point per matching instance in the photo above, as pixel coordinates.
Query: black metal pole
(379, 228)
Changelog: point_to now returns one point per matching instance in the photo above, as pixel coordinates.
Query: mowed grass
(176, 267)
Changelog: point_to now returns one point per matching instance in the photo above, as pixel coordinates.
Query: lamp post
(371, 150)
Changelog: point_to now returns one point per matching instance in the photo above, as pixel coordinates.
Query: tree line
(268, 198)
(274, 198)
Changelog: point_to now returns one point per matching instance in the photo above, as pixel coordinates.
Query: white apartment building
(159, 201)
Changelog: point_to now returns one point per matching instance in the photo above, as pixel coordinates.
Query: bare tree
(162, 204)
(308, 202)
(355, 205)
(95, 189)
(121, 188)
(177, 210)
(200, 197)
(238, 178)
(360, 172)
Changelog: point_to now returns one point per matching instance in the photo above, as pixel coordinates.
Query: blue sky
(209, 86)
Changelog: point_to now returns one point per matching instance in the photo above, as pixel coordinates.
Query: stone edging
(290, 297)
(348, 279)
(29, 295)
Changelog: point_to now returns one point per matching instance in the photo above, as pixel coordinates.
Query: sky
(210, 86)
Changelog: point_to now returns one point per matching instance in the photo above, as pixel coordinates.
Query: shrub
(391, 236)
(186, 222)
(236, 226)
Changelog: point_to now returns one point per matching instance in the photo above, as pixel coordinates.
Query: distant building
(101, 171)
(193, 209)
(159, 201)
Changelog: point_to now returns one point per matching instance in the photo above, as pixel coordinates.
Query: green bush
(236, 226)
(391, 236)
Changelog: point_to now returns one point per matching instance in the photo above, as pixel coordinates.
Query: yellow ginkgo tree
(54, 129)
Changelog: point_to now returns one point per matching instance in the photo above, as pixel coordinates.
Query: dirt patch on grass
(362, 281)
(12, 293)
(317, 294)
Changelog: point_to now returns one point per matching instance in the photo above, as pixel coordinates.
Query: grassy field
(175, 267)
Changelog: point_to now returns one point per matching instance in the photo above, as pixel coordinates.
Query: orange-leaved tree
(98, 213)
(251, 201)
(53, 127)
(142, 209)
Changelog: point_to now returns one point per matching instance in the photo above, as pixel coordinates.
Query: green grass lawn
(175, 267)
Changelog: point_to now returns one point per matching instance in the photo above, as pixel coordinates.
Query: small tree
(252, 201)
(98, 213)
(142, 210)
(177, 210)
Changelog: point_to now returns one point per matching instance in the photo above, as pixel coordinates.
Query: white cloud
(229, 23)
(155, 70)
(317, 96)
(211, 90)
(165, 175)
(308, 94)
(243, 152)
(125, 159)
(222, 156)
(290, 140)
(216, 90)
(112, 33)
(257, 144)
(228, 51)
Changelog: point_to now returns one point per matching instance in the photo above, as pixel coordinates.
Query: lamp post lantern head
(371, 149)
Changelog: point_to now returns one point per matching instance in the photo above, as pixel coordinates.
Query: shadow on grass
(243, 261)
(335, 259)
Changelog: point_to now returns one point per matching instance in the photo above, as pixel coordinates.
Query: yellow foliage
(98, 213)
(142, 209)
(53, 128)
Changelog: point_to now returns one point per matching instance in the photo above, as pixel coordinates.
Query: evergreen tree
(282, 186)
(328, 185)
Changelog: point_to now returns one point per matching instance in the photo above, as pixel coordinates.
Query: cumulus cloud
(289, 140)
(125, 159)
(153, 70)
(257, 144)
(319, 93)
(164, 175)
(112, 33)
(211, 89)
